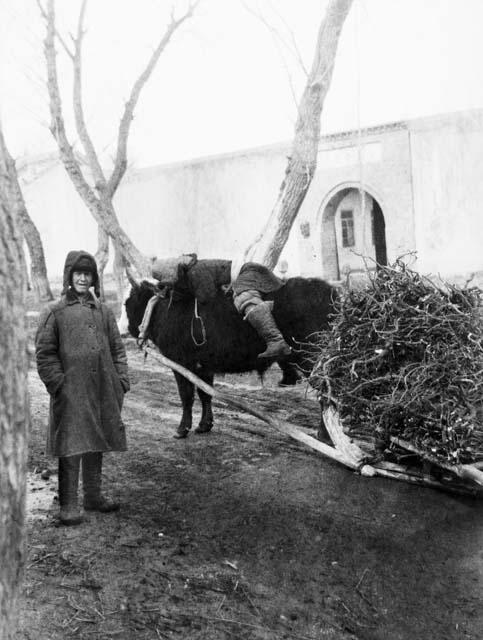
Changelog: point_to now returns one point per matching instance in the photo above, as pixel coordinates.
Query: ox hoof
(204, 428)
(182, 433)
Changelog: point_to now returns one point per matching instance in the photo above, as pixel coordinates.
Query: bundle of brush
(404, 359)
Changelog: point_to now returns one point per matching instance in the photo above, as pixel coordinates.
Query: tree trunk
(38, 268)
(98, 199)
(102, 256)
(119, 269)
(100, 206)
(14, 409)
(302, 162)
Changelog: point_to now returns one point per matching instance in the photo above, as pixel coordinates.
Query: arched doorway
(353, 232)
(379, 233)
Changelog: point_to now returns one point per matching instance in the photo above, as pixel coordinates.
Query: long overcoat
(82, 362)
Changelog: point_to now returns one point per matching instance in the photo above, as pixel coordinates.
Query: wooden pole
(463, 471)
(351, 456)
(282, 426)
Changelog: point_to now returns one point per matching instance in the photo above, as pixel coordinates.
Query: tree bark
(104, 215)
(302, 161)
(38, 268)
(119, 269)
(102, 256)
(14, 408)
(99, 198)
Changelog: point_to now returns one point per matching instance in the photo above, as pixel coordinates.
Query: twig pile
(404, 359)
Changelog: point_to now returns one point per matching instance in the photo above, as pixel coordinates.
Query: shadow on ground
(244, 534)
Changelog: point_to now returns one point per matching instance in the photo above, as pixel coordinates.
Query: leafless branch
(57, 126)
(81, 127)
(125, 124)
(58, 35)
(287, 71)
(292, 48)
(302, 161)
(100, 204)
(279, 43)
(295, 47)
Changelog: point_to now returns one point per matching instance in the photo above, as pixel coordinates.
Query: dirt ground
(243, 534)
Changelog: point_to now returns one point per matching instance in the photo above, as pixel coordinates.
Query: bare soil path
(242, 534)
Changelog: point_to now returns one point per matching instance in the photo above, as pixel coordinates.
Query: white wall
(447, 161)
(157, 209)
(425, 174)
(61, 218)
(384, 174)
(213, 206)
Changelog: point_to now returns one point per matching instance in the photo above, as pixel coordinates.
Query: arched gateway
(352, 231)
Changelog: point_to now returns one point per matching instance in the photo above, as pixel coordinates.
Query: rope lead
(196, 316)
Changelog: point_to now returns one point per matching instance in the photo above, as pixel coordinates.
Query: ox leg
(322, 433)
(186, 393)
(206, 422)
(290, 374)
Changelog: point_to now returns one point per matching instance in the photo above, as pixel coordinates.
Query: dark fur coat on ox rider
(220, 341)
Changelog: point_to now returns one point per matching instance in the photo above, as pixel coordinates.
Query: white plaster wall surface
(384, 172)
(231, 196)
(396, 190)
(235, 198)
(212, 206)
(215, 206)
(447, 160)
(60, 216)
(157, 209)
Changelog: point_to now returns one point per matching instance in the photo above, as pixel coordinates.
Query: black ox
(220, 341)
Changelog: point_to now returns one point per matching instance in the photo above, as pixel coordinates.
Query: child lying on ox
(249, 284)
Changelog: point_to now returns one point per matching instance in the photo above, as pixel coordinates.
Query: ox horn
(134, 282)
(152, 284)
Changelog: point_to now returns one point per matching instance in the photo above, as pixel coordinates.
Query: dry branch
(98, 200)
(404, 360)
(348, 454)
(465, 472)
(302, 161)
(81, 127)
(127, 117)
(280, 425)
(102, 211)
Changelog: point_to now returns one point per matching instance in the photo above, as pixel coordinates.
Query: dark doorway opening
(379, 234)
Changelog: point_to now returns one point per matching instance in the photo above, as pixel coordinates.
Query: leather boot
(261, 319)
(91, 480)
(68, 485)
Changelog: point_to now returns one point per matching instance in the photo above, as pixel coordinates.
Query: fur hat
(80, 261)
(84, 263)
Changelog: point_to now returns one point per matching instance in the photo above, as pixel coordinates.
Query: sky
(229, 78)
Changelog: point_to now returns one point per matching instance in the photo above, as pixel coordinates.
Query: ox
(213, 338)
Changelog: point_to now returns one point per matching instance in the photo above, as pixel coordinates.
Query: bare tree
(302, 161)
(99, 197)
(38, 268)
(14, 410)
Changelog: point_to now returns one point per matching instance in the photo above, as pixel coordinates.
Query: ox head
(136, 297)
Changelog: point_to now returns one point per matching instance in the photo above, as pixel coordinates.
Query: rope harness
(196, 316)
(144, 326)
